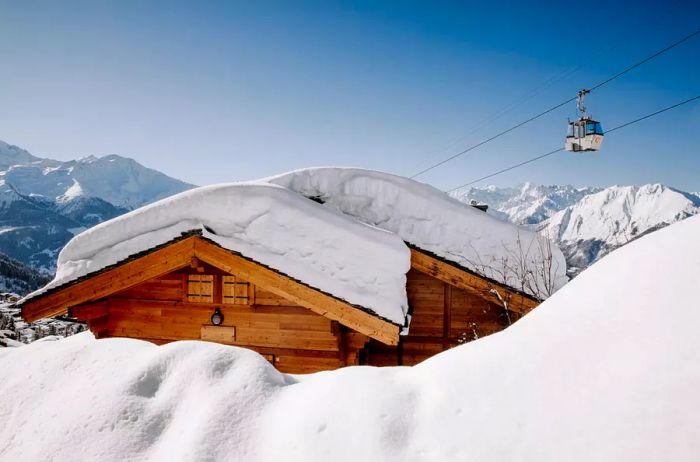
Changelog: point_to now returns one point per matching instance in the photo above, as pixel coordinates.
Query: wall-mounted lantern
(217, 318)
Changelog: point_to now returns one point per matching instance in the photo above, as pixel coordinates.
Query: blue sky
(220, 91)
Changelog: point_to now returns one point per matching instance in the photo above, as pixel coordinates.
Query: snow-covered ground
(607, 369)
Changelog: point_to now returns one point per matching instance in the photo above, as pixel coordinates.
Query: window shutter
(236, 291)
(200, 288)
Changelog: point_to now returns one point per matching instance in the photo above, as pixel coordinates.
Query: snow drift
(606, 369)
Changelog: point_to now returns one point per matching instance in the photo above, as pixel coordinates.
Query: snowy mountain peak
(605, 220)
(118, 180)
(87, 159)
(12, 155)
(44, 202)
(527, 203)
(588, 222)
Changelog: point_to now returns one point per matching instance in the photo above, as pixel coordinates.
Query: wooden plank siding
(171, 293)
(318, 302)
(293, 338)
(442, 316)
(461, 278)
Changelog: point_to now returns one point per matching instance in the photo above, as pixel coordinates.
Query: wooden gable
(180, 254)
(171, 293)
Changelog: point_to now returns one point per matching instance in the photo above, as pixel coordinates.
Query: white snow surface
(267, 223)
(430, 219)
(607, 369)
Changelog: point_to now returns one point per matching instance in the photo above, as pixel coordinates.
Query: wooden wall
(442, 317)
(291, 337)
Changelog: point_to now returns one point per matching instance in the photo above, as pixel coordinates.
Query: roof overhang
(463, 278)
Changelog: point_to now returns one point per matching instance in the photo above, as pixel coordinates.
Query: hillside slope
(18, 278)
(607, 369)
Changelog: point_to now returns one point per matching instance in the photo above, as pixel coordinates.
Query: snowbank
(607, 369)
(430, 219)
(270, 224)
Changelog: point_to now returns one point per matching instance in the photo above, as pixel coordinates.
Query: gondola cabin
(584, 135)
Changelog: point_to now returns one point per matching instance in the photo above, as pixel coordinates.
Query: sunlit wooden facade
(172, 292)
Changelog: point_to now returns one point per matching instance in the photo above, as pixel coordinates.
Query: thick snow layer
(607, 369)
(430, 219)
(270, 224)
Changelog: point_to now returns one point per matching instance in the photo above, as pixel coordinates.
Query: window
(594, 128)
(200, 288)
(236, 291)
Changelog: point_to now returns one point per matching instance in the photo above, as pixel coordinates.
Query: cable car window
(590, 128)
(598, 128)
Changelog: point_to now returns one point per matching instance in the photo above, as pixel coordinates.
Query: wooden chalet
(193, 289)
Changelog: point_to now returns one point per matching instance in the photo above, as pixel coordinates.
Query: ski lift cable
(483, 123)
(542, 156)
(553, 108)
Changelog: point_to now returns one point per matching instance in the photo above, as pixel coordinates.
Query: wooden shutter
(236, 291)
(200, 288)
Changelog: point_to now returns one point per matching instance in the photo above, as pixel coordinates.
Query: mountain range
(587, 223)
(45, 202)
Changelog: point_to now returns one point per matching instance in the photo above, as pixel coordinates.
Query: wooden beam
(122, 277)
(447, 310)
(288, 288)
(472, 283)
(89, 311)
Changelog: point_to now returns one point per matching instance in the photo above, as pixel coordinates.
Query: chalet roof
(272, 225)
(349, 242)
(432, 221)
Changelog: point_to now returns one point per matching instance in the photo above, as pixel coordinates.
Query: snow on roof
(351, 246)
(607, 369)
(267, 223)
(431, 220)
